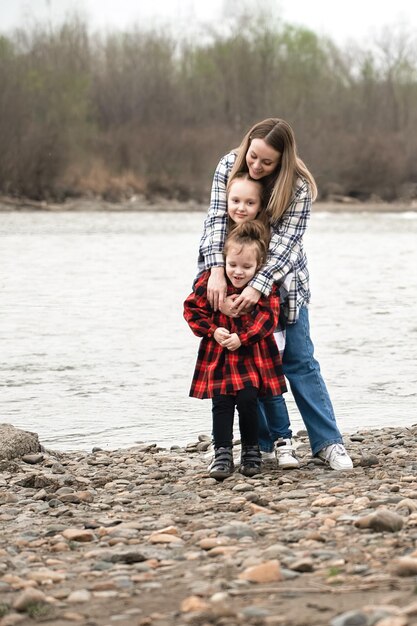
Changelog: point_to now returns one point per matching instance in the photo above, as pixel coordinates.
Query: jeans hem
(324, 444)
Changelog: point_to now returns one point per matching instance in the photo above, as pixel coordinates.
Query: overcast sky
(343, 21)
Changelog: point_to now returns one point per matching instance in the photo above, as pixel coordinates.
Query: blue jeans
(273, 421)
(308, 388)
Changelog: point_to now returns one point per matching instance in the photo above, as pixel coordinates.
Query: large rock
(15, 442)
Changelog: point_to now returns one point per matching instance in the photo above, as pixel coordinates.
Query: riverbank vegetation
(146, 112)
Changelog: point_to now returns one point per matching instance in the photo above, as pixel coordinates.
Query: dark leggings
(246, 401)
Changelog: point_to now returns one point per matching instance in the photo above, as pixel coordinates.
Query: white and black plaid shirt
(286, 253)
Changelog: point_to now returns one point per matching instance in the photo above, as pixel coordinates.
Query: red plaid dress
(257, 363)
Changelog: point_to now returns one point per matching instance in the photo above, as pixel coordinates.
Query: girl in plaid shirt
(268, 153)
(238, 358)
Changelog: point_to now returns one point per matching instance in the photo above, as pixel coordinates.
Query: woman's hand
(226, 306)
(246, 301)
(216, 287)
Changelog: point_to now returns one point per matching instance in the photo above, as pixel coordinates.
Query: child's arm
(264, 321)
(199, 314)
(261, 325)
(197, 311)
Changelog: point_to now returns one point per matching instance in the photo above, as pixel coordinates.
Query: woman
(268, 152)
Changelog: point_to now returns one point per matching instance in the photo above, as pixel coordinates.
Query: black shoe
(222, 466)
(250, 461)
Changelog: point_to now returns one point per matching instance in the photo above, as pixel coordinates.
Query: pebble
(77, 534)
(79, 596)
(350, 618)
(266, 572)
(27, 597)
(381, 520)
(94, 536)
(32, 459)
(11, 619)
(193, 603)
(405, 566)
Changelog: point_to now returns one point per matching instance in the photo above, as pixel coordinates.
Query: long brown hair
(279, 135)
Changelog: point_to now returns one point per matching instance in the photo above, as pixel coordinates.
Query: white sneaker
(336, 456)
(285, 451)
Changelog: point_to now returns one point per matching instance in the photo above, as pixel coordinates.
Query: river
(94, 350)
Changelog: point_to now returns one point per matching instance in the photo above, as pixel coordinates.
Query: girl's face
(241, 264)
(243, 200)
(261, 159)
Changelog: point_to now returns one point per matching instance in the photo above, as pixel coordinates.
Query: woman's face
(261, 159)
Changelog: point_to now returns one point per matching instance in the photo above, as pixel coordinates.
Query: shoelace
(337, 450)
(286, 451)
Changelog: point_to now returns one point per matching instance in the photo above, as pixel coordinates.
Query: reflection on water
(94, 350)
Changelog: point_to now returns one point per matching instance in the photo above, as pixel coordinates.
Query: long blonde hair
(279, 135)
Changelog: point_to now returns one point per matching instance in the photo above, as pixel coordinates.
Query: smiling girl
(238, 359)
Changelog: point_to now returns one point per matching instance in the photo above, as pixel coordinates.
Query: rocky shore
(142, 537)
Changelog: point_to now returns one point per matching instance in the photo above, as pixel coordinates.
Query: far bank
(158, 204)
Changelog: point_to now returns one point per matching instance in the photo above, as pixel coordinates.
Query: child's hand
(221, 335)
(232, 343)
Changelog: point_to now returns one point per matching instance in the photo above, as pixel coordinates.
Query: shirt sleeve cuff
(263, 284)
(215, 259)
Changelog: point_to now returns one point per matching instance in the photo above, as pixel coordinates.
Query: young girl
(274, 429)
(238, 358)
(268, 153)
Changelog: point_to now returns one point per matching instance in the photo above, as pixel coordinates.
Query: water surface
(94, 349)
